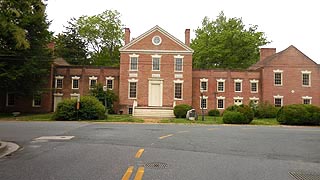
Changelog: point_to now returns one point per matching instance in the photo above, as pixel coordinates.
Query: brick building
(156, 73)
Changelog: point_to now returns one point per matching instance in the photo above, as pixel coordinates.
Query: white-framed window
(306, 100)
(220, 102)
(59, 82)
(278, 77)
(278, 101)
(254, 86)
(238, 100)
(156, 62)
(220, 85)
(306, 78)
(36, 101)
(133, 62)
(254, 100)
(10, 99)
(75, 96)
(75, 82)
(92, 81)
(110, 82)
(203, 102)
(238, 85)
(204, 84)
(178, 89)
(178, 63)
(132, 94)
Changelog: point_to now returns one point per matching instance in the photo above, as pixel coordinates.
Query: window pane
(178, 66)
(156, 64)
(305, 79)
(59, 83)
(277, 102)
(37, 100)
(75, 83)
(178, 90)
(220, 103)
(133, 63)
(220, 86)
(253, 87)
(238, 86)
(110, 84)
(277, 78)
(306, 101)
(133, 90)
(93, 83)
(204, 86)
(203, 103)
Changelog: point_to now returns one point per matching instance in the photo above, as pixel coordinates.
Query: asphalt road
(104, 151)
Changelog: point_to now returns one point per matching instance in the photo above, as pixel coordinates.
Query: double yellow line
(140, 170)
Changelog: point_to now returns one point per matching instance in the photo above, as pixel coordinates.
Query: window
(59, 82)
(203, 102)
(132, 90)
(75, 96)
(278, 77)
(130, 110)
(10, 99)
(278, 101)
(92, 82)
(109, 82)
(238, 100)
(204, 84)
(134, 62)
(254, 100)
(306, 99)
(254, 86)
(156, 63)
(238, 85)
(220, 102)
(306, 78)
(36, 102)
(178, 65)
(75, 82)
(220, 85)
(178, 91)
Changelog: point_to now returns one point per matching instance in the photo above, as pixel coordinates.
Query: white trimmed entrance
(155, 92)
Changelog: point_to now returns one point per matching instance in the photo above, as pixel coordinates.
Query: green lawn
(207, 120)
(121, 118)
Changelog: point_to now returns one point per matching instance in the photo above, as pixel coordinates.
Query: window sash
(178, 64)
(306, 79)
(59, 83)
(277, 102)
(178, 90)
(75, 84)
(237, 86)
(36, 100)
(133, 90)
(220, 104)
(133, 63)
(220, 86)
(203, 103)
(155, 64)
(306, 101)
(254, 87)
(278, 79)
(204, 86)
(110, 84)
(93, 83)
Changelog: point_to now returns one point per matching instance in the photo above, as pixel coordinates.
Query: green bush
(233, 117)
(245, 110)
(180, 111)
(299, 114)
(265, 110)
(90, 109)
(214, 112)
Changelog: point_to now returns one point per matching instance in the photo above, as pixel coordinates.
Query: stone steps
(160, 112)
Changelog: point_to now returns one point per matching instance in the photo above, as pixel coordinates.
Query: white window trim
(278, 71)
(238, 81)
(174, 83)
(175, 63)
(33, 102)
(204, 97)
(92, 78)
(238, 98)
(306, 72)
(254, 99)
(129, 81)
(110, 78)
(224, 102)
(206, 81)
(131, 56)
(156, 56)
(56, 79)
(75, 78)
(257, 85)
(75, 95)
(278, 97)
(307, 97)
(155, 42)
(224, 84)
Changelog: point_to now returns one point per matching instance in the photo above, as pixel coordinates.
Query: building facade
(156, 73)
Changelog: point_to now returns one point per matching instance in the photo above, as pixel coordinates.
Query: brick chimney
(126, 36)
(266, 52)
(187, 37)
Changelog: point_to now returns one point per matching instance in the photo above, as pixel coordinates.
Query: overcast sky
(285, 23)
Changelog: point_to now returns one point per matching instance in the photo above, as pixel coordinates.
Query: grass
(207, 120)
(269, 121)
(121, 118)
(28, 117)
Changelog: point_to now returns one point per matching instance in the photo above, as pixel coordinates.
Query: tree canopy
(24, 36)
(226, 43)
(98, 36)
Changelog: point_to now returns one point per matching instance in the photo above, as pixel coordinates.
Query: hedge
(299, 114)
(180, 111)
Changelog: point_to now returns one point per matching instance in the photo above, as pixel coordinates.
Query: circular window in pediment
(156, 40)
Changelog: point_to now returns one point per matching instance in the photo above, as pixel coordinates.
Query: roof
(60, 62)
(155, 28)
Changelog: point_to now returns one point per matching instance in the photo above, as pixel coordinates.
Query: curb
(7, 148)
(3, 147)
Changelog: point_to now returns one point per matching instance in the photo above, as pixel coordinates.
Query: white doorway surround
(155, 92)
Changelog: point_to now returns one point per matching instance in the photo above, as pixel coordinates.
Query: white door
(155, 93)
(56, 101)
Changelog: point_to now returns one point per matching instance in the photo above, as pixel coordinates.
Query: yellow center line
(139, 153)
(128, 173)
(139, 173)
(162, 137)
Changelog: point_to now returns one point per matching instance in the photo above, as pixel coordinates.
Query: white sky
(285, 22)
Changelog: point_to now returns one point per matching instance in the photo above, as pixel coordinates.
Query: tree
(103, 34)
(106, 97)
(226, 43)
(70, 46)
(24, 35)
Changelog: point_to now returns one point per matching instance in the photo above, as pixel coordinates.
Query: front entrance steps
(158, 112)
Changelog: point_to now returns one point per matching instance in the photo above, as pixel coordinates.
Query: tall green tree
(226, 43)
(103, 35)
(24, 35)
(70, 46)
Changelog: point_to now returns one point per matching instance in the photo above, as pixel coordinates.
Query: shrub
(244, 110)
(214, 112)
(90, 109)
(299, 114)
(180, 110)
(233, 117)
(265, 110)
